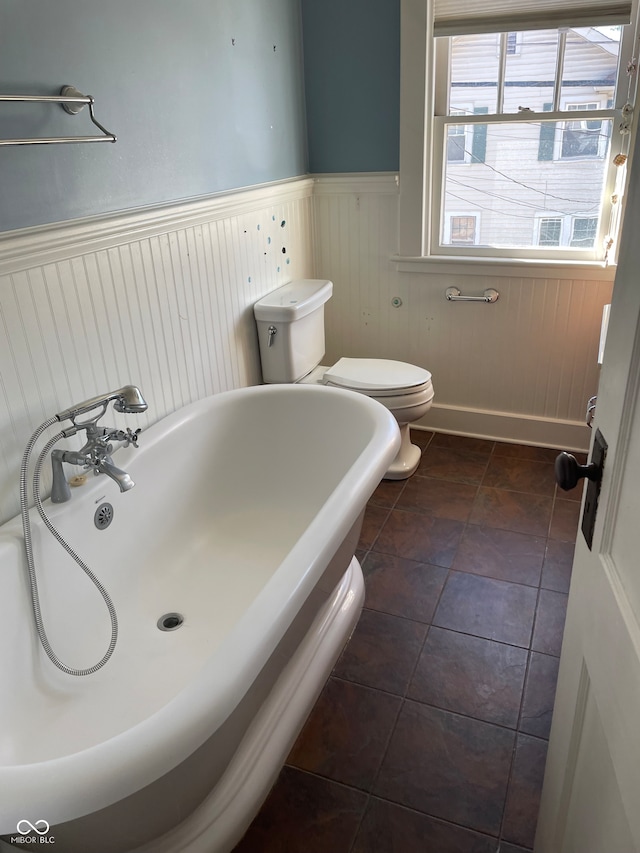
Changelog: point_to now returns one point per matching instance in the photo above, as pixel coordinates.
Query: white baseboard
(507, 426)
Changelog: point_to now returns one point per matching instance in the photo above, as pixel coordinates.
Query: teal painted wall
(203, 95)
(352, 84)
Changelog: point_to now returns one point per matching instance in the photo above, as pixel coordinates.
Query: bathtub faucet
(95, 455)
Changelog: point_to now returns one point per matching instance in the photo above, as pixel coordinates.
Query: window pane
(584, 232)
(456, 141)
(524, 181)
(530, 73)
(590, 60)
(550, 230)
(474, 72)
(455, 144)
(583, 138)
(463, 230)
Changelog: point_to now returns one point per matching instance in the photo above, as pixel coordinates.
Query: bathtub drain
(103, 516)
(170, 621)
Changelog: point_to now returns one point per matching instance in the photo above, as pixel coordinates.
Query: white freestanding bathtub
(244, 520)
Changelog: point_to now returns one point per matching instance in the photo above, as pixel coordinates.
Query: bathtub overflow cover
(170, 621)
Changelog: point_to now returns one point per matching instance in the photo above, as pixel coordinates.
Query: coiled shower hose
(26, 527)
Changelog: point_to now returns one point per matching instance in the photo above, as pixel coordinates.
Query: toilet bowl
(290, 323)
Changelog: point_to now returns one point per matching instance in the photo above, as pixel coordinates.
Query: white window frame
(418, 235)
(440, 122)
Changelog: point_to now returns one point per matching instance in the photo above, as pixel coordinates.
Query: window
(584, 231)
(514, 162)
(578, 232)
(583, 138)
(467, 144)
(550, 231)
(463, 230)
(522, 138)
(457, 142)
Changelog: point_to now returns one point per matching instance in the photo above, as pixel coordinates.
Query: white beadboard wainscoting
(161, 298)
(519, 370)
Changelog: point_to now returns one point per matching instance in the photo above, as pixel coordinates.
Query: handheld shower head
(128, 400)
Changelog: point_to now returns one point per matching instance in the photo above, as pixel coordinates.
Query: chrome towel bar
(453, 295)
(72, 101)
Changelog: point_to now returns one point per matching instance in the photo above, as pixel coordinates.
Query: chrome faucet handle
(132, 436)
(127, 436)
(74, 458)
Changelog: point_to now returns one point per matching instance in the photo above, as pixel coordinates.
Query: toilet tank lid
(376, 374)
(294, 300)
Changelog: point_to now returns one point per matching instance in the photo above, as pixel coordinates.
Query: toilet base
(407, 459)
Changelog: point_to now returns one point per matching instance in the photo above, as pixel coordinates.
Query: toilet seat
(379, 377)
(402, 403)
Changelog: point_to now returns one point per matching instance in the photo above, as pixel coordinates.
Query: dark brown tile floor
(430, 736)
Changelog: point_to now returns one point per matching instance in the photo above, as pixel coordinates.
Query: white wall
(521, 369)
(161, 298)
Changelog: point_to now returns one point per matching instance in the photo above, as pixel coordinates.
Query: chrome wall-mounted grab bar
(453, 295)
(72, 101)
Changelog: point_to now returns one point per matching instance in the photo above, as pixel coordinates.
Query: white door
(591, 795)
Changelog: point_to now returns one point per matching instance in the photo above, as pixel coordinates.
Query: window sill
(508, 267)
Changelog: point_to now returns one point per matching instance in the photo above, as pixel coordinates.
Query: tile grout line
(369, 793)
(466, 716)
(403, 697)
(417, 660)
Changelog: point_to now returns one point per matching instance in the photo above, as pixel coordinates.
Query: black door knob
(569, 471)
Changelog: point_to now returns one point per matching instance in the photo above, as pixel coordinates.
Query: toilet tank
(290, 324)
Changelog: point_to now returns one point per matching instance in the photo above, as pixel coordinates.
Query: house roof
(599, 37)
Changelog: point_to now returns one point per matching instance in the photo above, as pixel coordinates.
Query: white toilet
(290, 324)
